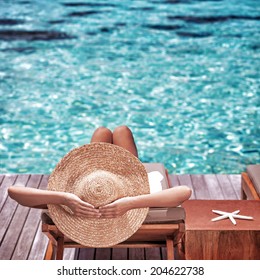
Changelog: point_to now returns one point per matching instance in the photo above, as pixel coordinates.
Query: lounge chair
(163, 227)
(251, 182)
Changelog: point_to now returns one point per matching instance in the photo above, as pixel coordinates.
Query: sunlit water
(183, 75)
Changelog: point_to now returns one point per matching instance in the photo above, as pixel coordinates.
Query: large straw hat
(99, 173)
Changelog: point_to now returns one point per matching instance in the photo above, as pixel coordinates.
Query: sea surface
(183, 75)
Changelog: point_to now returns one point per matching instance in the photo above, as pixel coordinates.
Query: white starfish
(230, 215)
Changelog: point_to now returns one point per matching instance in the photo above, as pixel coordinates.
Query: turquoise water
(183, 75)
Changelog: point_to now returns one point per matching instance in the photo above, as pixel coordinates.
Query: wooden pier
(20, 227)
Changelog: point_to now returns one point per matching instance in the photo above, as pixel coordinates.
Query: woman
(123, 137)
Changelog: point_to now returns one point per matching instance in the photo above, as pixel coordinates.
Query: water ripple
(184, 75)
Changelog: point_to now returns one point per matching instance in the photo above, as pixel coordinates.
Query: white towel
(155, 178)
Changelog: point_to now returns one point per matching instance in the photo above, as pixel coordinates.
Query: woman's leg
(102, 134)
(123, 137)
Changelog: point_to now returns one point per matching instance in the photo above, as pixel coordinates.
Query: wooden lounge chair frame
(148, 236)
(162, 234)
(248, 188)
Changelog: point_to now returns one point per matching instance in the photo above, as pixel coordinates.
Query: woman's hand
(79, 207)
(117, 208)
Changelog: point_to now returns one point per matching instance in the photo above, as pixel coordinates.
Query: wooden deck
(20, 227)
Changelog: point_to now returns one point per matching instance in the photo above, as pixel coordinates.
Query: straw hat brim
(73, 174)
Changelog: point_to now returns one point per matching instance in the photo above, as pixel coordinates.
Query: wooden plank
(178, 180)
(174, 180)
(136, 254)
(69, 254)
(226, 186)
(152, 253)
(22, 229)
(30, 227)
(103, 253)
(13, 233)
(39, 246)
(8, 181)
(27, 235)
(35, 181)
(164, 253)
(40, 241)
(86, 254)
(6, 217)
(185, 179)
(44, 182)
(236, 183)
(200, 187)
(10, 206)
(2, 176)
(119, 254)
(213, 186)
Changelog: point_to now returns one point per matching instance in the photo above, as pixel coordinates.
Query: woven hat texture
(99, 173)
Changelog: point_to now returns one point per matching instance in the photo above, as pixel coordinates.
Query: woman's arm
(167, 198)
(32, 197)
(36, 198)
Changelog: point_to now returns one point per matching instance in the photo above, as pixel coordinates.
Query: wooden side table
(221, 240)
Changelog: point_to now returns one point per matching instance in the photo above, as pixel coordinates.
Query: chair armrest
(165, 215)
(248, 187)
